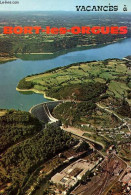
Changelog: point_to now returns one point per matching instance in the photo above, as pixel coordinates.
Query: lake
(12, 72)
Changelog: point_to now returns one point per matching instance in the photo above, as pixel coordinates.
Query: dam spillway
(43, 111)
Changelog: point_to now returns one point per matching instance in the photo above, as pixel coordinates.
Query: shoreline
(28, 78)
(94, 45)
(77, 48)
(35, 53)
(4, 59)
(38, 92)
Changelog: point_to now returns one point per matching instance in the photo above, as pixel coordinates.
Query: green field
(99, 139)
(56, 83)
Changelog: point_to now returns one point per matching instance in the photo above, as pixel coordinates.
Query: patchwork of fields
(113, 72)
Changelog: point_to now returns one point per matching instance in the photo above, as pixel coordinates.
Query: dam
(43, 111)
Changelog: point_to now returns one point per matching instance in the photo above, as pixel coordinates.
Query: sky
(54, 5)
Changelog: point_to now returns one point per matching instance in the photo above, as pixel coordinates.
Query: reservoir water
(12, 72)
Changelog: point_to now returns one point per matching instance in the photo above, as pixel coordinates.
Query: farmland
(58, 82)
(48, 43)
(96, 98)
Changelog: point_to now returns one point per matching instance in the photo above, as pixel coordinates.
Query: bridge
(43, 111)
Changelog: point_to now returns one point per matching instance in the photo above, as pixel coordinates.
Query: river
(12, 72)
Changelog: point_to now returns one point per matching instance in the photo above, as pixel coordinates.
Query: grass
(114, 70)
(119, 89)
(124, 151)
(2, 112)
(100, 119)
(99, 139)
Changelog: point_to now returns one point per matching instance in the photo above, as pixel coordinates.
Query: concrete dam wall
(43, 111)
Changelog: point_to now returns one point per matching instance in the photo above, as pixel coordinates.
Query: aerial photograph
(65, 97)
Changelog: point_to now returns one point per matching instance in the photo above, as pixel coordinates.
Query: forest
(79, 92)
(15, 127)
(42, 43)
(20, 160)
(70, 113)
(25, 84)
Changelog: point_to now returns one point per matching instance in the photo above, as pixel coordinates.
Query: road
(79, 133)
(111, 112)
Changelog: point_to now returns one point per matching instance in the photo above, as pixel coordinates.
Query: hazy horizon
(64, 5)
